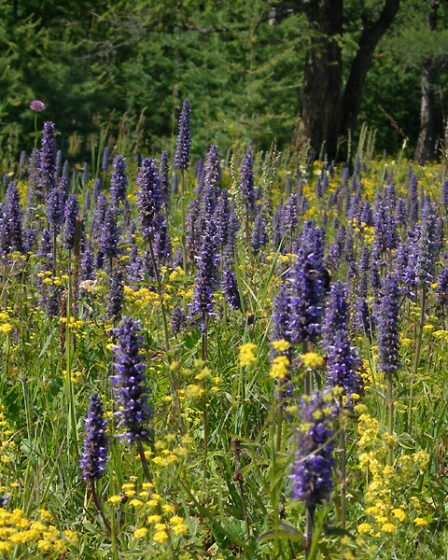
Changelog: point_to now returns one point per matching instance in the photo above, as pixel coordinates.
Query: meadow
(242, 356)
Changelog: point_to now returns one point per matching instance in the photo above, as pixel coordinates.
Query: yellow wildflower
(154, 518)
(5, 328)
(279, 367)
(160, 537)
(281, 345)
(364, 528)
(399, 514)
(140, 533)
(114, 499)
(388, 528)
(247, 357)
(312, 360)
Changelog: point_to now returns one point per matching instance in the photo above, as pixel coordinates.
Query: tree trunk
(326, 115)
(426, 138)
(321, 92)
(372, 33)
(14, 11)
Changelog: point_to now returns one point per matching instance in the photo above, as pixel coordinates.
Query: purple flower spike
(149, 197)
(206, 278)
(336, 314)
(313, 459)
(46, 179)
(247, 180)
(182, 154)
(110, 233)
(387, 321)
(119, 181)
(131, 394)
(94, 455)
(70, 216)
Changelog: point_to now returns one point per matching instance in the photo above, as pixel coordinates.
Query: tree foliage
(240, 63)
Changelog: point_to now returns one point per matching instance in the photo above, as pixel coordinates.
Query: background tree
(247, 68)
(428, 125)
(328, 112)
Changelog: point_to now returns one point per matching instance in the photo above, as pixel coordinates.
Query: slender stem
(343, 484)
(71, 393)
(308, 381)
(204, 359)
(390, 414)
(249, 247)
(114, 539)
(35, 131)
(141, 452)
(344, 478)
(54, 249)
(418, 342)
(204, 339)
(237, 476)
(159, 289)
(25, 404)
(175, 383)
(280, 417)
(183, 237)
(418, 347)
(309, 530)
(99, 509)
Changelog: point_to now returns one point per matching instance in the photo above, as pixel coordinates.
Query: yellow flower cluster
(16, 529)
(441, 335)
(163, 522)
(7, 445)
(281, 345)
(389, 490)
(142, 297)
(5, 326)
(279, 367)
(312, 360)
(74, 324)
(247, 357)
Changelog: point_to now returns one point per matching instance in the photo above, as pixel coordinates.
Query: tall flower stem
(142, 455)
(280, 416)
(343, 447)
(72, 425)
(159, 290)
(237, 476)
(249, 247)
(309, 530)
(36, 135)
(418, 341)
(204, 359)
(54, 249)
(175, 383)
(308, 380)
(99, 509)
(183, 234)
(390, 412)
(418, 347)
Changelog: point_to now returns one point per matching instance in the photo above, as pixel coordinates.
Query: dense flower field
(241, 358)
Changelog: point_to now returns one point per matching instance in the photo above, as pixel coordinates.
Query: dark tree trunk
(326, 114)
(14, 11)
(372, 33)
(426, 138)
(321, 91)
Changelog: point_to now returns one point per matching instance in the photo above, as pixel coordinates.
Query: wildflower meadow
(238, 356)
